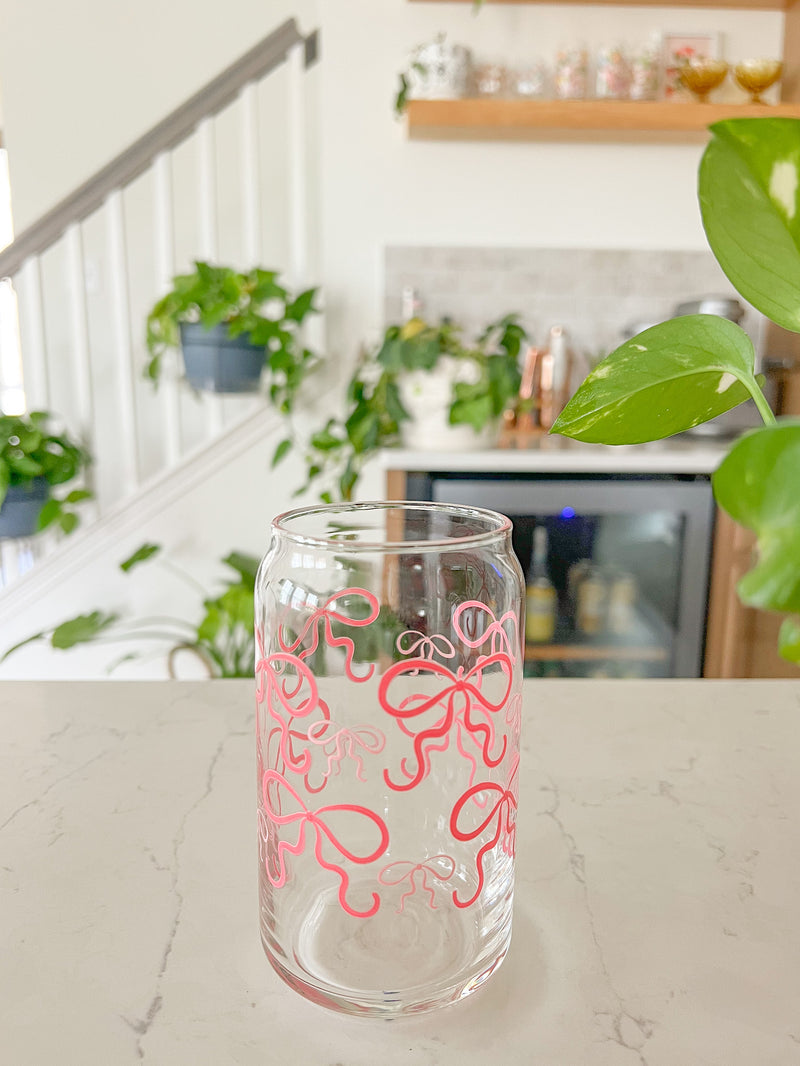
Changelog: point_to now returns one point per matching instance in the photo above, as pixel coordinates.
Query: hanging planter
(32, 461)
(19, 514)
(230, 326)
(216, 362)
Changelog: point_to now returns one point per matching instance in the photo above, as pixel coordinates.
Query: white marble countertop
(561, 455)
(657, 920)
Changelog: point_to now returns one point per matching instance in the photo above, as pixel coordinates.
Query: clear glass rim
(497, 526)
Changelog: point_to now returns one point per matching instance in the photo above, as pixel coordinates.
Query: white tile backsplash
(593, 293)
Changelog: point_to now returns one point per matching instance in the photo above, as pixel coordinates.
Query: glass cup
(389, 673)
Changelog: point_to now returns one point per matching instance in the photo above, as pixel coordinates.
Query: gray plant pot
(215, 362)
(21, 507)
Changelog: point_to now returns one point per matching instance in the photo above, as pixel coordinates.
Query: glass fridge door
(619, 584)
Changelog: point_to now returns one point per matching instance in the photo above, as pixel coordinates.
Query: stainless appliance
(650, 533)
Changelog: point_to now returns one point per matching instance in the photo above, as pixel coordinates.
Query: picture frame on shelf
(678, 47)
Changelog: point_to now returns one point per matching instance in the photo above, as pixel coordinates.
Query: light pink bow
(441, 867)
(495, 631)
(325, 615)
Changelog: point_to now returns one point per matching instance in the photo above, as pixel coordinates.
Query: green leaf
(474, 412)
(211, 624)
(67, 521)
(81, 630)
(303, 305)
(5, 480)
(78, 496)
(245, 565)
(147, 551)
(664, 381)
(757, 484)
(324, 440)
(788, 640)
(283, 448)
(51, 512)
(749, 191)
(21, 644)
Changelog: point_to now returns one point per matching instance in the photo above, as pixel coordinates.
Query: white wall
(381, 189)
(81, 80)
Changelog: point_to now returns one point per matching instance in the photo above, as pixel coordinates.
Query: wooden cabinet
(607, 120)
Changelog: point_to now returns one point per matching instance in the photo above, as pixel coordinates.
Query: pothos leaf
(757, 485)
(749, 190)
(147, 551)
(789, 640)
(664, 381)
(81, 630)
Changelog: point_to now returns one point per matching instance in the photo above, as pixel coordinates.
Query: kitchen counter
(656, 915)
(561, 455)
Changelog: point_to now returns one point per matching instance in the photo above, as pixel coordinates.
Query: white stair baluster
(123, 350)
(34, 348)
(208, 233)
(298, 169)
(165, 268)
(251, 177)
(79, 329)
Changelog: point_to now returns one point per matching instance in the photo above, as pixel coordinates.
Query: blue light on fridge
(568, 512)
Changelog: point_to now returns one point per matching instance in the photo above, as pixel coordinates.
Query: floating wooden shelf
(595, 652)
(732, 5)
(576, 120)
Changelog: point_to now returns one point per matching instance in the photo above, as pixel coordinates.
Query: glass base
(391, 964)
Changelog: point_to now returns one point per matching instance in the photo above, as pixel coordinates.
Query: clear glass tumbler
(389, 673)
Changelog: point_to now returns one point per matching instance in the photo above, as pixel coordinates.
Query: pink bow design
(462, 701)
(339, 744)
(503, 813)
(426, 647)
(500, 638)
(397, 872)
(325, 615)
(298, 701)
(273, 786)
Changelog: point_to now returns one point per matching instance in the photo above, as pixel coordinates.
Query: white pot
(426, 395)
(439, 71)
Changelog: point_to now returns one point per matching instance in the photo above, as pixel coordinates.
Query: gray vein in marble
(36, 801)
(627, 1030)
(143, 1026)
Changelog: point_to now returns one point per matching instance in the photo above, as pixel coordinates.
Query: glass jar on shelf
(613, 74)
(530, 82)
(646, 70)
(490, 80)
(571, 75)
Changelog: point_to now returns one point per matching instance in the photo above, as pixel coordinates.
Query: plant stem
(764, 408)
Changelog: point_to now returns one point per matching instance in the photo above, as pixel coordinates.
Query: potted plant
(686, 371)
(229, 326)
(457, 390)
(222, 640)
(32, 461)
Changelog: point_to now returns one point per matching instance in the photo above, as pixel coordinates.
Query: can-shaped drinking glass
(389, 674)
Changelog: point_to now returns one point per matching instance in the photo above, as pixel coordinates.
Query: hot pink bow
(462, 701)
(503, 814)
(275, 791)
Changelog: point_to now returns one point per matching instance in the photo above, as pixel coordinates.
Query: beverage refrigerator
(628, 558)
